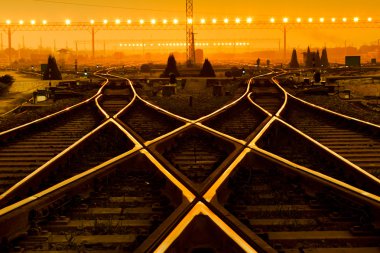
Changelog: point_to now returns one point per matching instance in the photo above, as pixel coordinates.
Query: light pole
(8, 22)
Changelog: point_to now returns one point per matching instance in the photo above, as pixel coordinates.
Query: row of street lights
(175, 21)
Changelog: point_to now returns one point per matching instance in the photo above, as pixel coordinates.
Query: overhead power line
(103, 6)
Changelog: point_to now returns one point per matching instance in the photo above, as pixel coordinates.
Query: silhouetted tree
(258, 62)
(317, 60)
(52, 72)
(309, 60)
(268, 63)
(294, 61)
(324, 60)
(171, 67)
(172, 78)
(207, 69)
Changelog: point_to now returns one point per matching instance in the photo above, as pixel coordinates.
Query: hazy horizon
(317, 35)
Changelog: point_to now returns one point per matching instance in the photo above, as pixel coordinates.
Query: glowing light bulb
(214, 21)
(117, 21)
(237, 20)
(67, 21)
(298, 20)
(310, 20)
(226, 20)
(21, 22)
(285, 20)
(175, 21)
(249, 20)
(203, 21)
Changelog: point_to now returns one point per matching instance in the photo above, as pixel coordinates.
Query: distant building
(352, 61)
(199, 58)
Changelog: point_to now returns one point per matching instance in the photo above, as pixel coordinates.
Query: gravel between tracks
(334, 103)
(12, 120)
(203, 101)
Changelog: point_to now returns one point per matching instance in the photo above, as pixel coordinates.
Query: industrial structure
(190, 25)
(190, 47)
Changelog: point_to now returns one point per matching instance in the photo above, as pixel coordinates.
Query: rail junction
(116, 173)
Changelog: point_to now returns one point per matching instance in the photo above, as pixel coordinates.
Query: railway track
(267, 95)
(295, 213)
(243, 178)
(239, 121)
(192, 98)
(23, 152)
(116, 214)
(115, 96)
(196, 156)
(289, 144)
(146, 122)
(358, 143)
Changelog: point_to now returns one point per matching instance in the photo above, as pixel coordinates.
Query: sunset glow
(59, 24)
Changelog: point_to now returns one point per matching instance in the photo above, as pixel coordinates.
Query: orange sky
(84, 10)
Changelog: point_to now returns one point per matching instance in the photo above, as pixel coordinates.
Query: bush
(6, 82)
(7, 79)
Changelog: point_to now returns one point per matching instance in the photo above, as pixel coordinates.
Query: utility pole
(10, 45)
(76, 49)
(345, 47)
(104, 50)
(93, 42)
(190, 49)
(284, 43)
